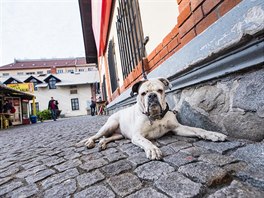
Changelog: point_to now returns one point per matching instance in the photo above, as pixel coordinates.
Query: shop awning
(9, 92)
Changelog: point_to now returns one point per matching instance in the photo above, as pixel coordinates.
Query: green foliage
(44, 115)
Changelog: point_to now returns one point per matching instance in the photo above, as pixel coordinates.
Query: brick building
(211, 51)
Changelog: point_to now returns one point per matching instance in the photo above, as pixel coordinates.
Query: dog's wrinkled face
(151, 96)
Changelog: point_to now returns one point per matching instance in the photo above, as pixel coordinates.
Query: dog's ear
(166, 82)
(135, 87)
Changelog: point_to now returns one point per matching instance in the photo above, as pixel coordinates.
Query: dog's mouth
(154, 109)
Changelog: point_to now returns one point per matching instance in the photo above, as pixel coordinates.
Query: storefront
(20, 102)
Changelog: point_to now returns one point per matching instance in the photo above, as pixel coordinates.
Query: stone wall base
(233, 105)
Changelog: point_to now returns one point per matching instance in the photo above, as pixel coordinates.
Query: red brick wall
(194, 17)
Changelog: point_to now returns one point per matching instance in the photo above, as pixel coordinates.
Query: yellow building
(19, 100)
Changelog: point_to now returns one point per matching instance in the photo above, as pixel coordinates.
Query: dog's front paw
(102, 144)
(153, 153)
(88, 142)
(215, 137)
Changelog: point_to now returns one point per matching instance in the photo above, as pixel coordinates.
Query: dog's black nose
(152, 96)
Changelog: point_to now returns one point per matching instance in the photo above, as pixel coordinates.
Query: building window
(35, 82)
(39, 72)
(75, 104)
(73, 91)
(97, 88)
(91, 69)
(112, 65)
(20, 73)
(130, 35)
(30, 73)
(70, 71)
(5, 74)
(48, 71)
(60, 71)
(52, 83)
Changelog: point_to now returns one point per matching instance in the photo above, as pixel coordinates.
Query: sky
(40, 29)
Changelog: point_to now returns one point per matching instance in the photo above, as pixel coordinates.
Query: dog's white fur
(133, 123)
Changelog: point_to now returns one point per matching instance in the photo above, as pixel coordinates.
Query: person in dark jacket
(92, 106)
(53, 107)
(7, 107)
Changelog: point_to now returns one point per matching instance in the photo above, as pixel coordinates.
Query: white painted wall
(86, 68)
(62, 94)
(158, 19)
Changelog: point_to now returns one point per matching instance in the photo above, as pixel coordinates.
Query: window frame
(20, 73)
(30, 73)
(73, 91)
(52, 83)
(112, 65)
(75, 105)
(35, 82)
(130, 35)
(60, 71)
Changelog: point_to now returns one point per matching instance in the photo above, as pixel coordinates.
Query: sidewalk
(43, 160)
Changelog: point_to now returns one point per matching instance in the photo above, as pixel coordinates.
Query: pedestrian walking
(92, 106)
(53, 107)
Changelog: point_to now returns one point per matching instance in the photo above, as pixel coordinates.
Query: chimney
(53, 70)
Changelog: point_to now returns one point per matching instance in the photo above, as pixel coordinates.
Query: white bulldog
(149, 118)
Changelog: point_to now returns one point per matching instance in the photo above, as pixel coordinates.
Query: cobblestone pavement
(43, 160)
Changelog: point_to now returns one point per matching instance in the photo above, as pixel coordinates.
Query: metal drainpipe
(142, 60)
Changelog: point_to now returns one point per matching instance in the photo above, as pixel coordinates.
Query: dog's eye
(143, 93)
(160, 91)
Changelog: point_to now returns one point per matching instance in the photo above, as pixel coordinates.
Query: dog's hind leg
(104, 141)
(107, 130)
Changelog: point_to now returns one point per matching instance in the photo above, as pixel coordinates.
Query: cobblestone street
(43, 160)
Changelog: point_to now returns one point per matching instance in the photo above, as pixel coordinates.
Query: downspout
(144, 75)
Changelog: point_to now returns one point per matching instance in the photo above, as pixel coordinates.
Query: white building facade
(71, 83)
(73, 91)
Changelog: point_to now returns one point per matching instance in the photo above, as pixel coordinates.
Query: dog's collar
(163, 113)
(157, 117)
